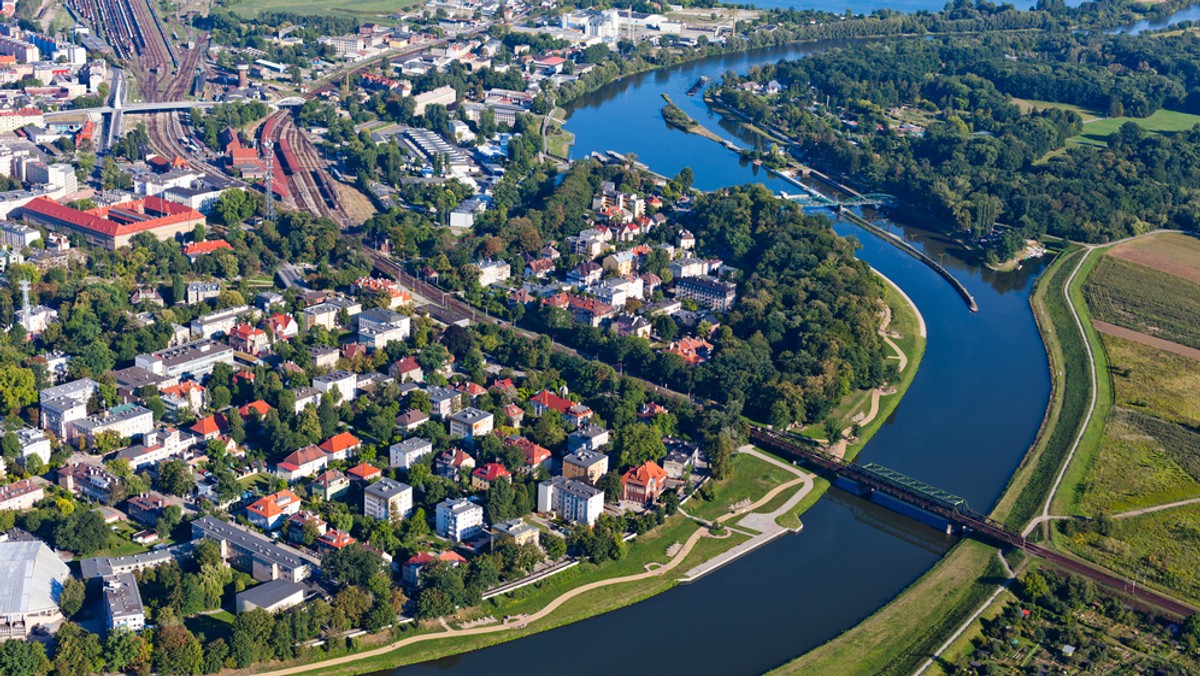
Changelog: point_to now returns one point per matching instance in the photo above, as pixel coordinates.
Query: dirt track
(1150, 341)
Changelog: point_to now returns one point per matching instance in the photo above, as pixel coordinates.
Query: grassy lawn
(897, 638)
(1161, 122)
(260, 481)
(247, 8)
(752, 478)
(1132, 471)
(1066, 500)
(214, 626)
(1027, 105)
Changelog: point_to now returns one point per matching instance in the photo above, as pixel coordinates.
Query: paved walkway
(764, 525)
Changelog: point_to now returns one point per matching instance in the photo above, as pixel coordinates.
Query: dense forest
(981, 160)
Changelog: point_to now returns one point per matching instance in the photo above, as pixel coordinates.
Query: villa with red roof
(194, 250)
(535, 455)
(364, 472)
(515, 414)
(305, 462)
(250, 339)
(270, 511)
(341, 446)
(259, 406)
(113, 226)
(333, 539)
(211, 427)
(576, 414)
(407, 369)
(411, 571)
(692, 351)
(482, 477)
(283, 326)
(643, 484)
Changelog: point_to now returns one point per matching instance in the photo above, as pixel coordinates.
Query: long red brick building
(113, 226)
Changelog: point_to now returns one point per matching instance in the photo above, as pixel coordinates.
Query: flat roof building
(123, 603)
(272, 597)
(30, 587)
(261, 556)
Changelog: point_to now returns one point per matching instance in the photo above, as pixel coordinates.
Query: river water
(964, 425)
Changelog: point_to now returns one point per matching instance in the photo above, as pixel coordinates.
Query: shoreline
(383, 656)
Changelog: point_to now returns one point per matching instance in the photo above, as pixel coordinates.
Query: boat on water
(698, 86)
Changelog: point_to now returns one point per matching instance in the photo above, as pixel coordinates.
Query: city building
(191, 360)
(125, 421)
(471, 423)
(545, 401)
(516, 531)
(32, 583)
(33, 442)
(113, 226)
(443, 400)
(270, 511)
(409, 451)
(459, 519)
(410, 572)
(64, 404)
(707, 292)
(89, 481)
(493, 272)
(256, 554)
(341, 446)
(378, 327)
(273, 597)
(198, 292)
(570, 500)
(644, 483)
(123, 603)
(585, 465)
(388, 500)
(407, 370)
(146, 508)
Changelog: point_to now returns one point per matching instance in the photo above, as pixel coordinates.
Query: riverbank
(686, 542)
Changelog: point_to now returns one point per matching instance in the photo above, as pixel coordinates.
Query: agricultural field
(1155, 382)
(1161, 122)
(1139, 466)
(1172, 252)
(1146, 300)
(363, 8)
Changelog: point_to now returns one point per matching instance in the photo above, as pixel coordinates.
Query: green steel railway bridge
(812, 200)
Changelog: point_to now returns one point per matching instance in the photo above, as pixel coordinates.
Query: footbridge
(873, 478)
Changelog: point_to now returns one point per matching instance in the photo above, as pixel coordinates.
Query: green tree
(639, 444)
(77, 652)
(22, 657)
(125, 651)
(1034, 586)
(354, 564)
(554, 546)
(175, 477)
(176, 651)
(18, 388)
(72, 596)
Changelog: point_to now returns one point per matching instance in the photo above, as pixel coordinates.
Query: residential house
(680, 456)
(408, 452)
(483, 477)
(89, 481)
(621, 262)
(379, 327)
(283, 326)
(493, 272)
(570, 500)
(341, 446)
(539, 268)
(411, 419)
(515, 414)
(249, 339)
(410, 572)
(585, 274)
(535, 456)
(444, 400)
(270, 511)
(297, 522)
(449, 463)
(188, 395)
(585, 465)
(33, 442)
(364, 473)
(587, 438)
(388, 500)
(345, 383)
(329, 485)
(304, 462)
(691, 350)
(146, 508)
(575, 414)
(644, 483)
(516, 531)
(407, 370)
(632, 325)
(459, 519)
(332, 540)
(323, 357)
(688, 267)
(20, 495)
(470, 423)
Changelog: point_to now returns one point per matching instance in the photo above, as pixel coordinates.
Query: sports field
(1162, 122)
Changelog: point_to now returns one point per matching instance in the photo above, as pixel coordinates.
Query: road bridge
(878, 479)
(131, 108)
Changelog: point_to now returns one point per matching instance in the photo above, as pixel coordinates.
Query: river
(964, 426)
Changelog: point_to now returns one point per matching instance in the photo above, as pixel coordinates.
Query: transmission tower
(268, 153)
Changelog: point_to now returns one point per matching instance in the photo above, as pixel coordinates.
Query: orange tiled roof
(644, 474)
(274, 504)
(340, 442)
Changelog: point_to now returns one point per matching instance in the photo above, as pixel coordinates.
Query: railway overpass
(133, 108)
(874, 478)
